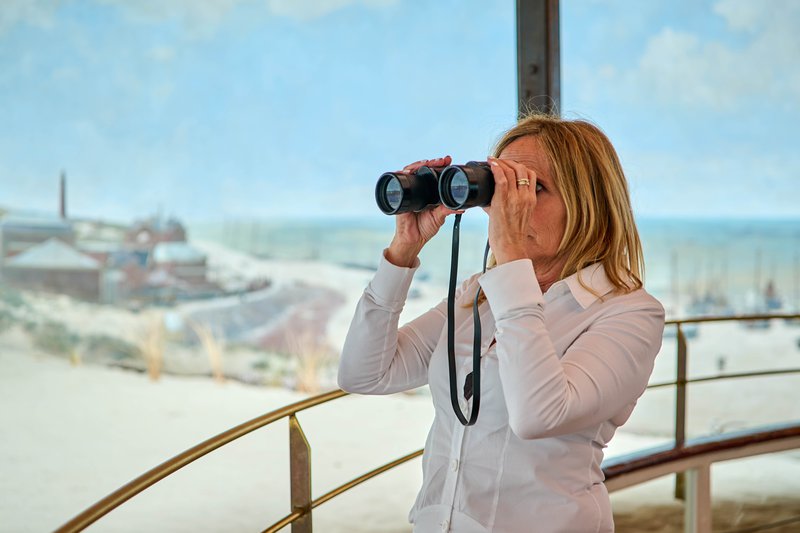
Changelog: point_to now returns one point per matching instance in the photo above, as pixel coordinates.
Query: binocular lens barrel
(456, 186)
(464, 186)
(401, 192)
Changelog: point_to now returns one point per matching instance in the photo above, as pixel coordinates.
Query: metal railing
(694, 460)
(300, 516)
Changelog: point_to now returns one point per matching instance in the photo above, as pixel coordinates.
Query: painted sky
(265, 108)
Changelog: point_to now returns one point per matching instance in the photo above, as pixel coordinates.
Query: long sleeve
(606, 368)
(379, 358)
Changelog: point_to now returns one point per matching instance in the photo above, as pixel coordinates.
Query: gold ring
(524, 181)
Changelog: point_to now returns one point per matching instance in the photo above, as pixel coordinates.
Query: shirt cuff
(389, 287)
(511, 286)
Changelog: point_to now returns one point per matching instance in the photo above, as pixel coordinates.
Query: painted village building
(178, 271)
(149, 261)
(180, 260)
(145, 234)
(19, 232)
(160, 265)
(55, 266)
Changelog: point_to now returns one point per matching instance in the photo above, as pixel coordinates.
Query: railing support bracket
(300, 473)
(697, 510)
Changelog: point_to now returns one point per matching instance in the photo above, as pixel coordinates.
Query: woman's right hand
(414, 230)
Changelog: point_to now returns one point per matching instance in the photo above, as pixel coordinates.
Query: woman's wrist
(402, 255)
(507, 255)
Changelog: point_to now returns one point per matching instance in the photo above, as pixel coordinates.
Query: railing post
(697, 510)
(300, 473)
(680, 407)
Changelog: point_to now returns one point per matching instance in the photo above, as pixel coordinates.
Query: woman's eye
(539, 187)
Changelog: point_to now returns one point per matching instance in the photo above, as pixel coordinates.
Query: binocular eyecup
(456, 186)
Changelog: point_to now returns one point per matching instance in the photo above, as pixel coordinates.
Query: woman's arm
(605, 369)
(379, 358)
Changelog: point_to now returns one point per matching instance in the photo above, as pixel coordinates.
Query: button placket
(451, 482)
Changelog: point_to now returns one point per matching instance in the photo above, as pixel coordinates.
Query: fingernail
(494, 164)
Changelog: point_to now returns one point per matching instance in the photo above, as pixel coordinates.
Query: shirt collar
(593, 276)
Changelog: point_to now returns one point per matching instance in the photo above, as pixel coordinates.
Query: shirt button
(445, 525)
(454, 465)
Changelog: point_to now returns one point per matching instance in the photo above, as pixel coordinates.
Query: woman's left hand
(511, 209)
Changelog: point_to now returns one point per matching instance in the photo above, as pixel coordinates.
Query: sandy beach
(73, 430)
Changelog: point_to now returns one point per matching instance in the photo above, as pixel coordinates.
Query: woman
(569, 339)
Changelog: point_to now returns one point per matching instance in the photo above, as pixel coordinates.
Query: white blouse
(564, 374)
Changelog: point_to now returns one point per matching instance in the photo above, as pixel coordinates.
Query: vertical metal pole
(300, 473)
(697, 511)
(538, 56)
(680, 407)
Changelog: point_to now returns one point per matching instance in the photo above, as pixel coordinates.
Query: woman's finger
(517, 173)
(532, 178)
(526, 183)
(504, 176)
(525, 180)
(520, 173)
(445, 211)
(438, 162)
(499, 174)
(414, 166)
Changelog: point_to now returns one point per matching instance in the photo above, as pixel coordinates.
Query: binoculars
(455, 186)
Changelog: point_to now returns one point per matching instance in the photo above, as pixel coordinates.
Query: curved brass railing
(131, 489)
(300, 465)
(681, 380)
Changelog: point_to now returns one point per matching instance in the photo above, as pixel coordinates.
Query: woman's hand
(511, 209)
(414, 230)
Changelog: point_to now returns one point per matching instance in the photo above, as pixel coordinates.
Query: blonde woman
(569, 337)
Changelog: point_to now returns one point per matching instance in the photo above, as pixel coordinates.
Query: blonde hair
(600, 227)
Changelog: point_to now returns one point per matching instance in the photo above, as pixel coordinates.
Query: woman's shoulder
(633, 300)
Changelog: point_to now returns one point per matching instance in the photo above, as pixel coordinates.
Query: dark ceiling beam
(538, 56)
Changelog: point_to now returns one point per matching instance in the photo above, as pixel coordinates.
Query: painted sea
(693, 266)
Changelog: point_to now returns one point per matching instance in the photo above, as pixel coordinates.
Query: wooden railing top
(668, 453)
(732, 318)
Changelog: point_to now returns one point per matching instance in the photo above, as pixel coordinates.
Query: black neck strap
(476, 340)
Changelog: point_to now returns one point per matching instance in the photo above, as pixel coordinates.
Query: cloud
(162, 54)
(38, 13)
(755, 185)
(199, 18)
(756, 61)
(203, 18)
(747, 15)
(311, 9)
(679, 68)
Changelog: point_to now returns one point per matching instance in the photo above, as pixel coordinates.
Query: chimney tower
(63, 195)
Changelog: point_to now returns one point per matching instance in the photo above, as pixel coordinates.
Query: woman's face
(548, 222)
